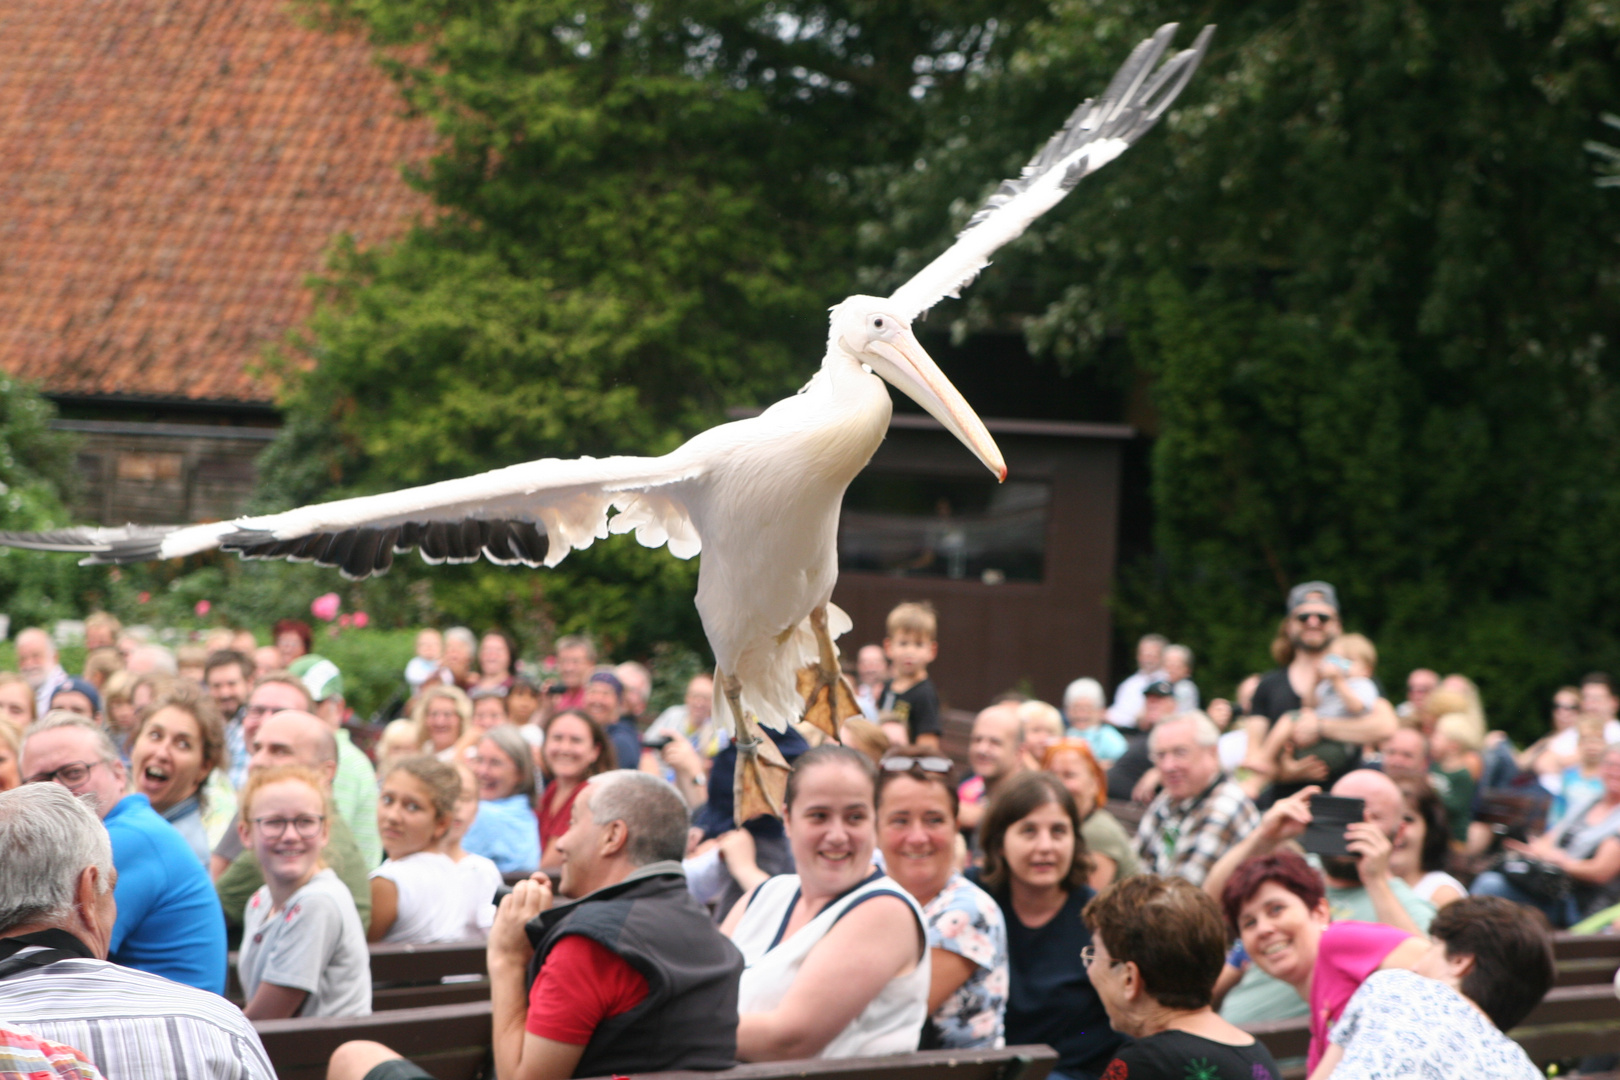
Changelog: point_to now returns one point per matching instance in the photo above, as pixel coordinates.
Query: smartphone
(657, 741)
(1330, 817)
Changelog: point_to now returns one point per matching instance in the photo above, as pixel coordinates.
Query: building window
(944, 527)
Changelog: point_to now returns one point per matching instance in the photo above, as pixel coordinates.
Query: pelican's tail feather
(769, 673)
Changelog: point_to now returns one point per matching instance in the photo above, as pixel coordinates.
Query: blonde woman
(443, 715)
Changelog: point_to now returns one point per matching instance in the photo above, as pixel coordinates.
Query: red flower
(202, 608)
(142, 598)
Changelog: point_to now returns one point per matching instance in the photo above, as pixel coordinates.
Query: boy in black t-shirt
(909, 700)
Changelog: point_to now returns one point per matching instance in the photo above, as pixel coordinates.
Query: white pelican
(760, 497)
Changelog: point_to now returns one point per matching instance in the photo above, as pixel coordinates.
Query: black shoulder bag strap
(52, 945)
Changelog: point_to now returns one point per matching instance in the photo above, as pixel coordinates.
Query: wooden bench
(1568, 946)
(450, 1041)
(1010, 1063)
(412, 976)
(1571, 1022)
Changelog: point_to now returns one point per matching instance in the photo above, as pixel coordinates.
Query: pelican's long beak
(916, 374)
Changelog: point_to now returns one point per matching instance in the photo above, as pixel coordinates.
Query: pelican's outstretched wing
(532, 514)
(1095, 134)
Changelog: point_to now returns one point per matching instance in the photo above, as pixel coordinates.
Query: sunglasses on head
(1319, 616)
(901, 763)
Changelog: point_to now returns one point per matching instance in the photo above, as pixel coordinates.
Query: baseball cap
(1160, 688)
(83, 687)
(1300, 593)
(319, 675)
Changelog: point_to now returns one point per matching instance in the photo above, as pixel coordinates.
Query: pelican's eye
(878, 323)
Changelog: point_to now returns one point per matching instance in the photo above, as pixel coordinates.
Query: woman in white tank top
(837, 959)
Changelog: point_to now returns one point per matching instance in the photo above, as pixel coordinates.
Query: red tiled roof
(170, 173)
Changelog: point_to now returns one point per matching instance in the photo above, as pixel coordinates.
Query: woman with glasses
(1035, 867)
(967, 936)
(303, 950)
(1158, 944)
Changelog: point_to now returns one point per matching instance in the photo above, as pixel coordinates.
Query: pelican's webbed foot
(829, 700)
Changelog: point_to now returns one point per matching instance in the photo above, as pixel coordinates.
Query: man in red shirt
(626, 974)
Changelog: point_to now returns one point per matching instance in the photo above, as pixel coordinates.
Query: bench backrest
(1009, 1063)
(450, 1041)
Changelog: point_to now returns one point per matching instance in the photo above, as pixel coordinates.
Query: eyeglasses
(69, 776)
(1564, 706)
(1318, 616)
(1088, 956)
(900, 763)
(306, 826)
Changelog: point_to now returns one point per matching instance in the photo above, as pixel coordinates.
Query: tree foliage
(641, 214)
(1371, 281)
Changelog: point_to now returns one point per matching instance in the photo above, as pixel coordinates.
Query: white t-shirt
(1567, 742)
(433, 901)
(480, 878)
(314, 944)
(1399, 1024)
(1433, 880)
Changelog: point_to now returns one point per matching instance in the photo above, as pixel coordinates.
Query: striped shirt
(133, 1024)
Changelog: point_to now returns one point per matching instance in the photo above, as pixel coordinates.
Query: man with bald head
(1359, 886)
(994, 753)
(295, 737)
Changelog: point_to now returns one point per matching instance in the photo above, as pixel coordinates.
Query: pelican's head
(867, 329)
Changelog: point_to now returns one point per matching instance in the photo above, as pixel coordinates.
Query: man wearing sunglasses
(1311, 626)
(169, 922)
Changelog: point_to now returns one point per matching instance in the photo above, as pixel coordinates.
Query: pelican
(759, 497)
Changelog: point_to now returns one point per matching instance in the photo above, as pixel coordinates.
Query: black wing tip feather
(359, 553)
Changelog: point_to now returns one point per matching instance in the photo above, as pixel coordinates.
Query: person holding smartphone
(1357, 886)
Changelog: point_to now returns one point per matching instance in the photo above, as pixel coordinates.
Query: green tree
(1368, 276)
(37, 479)
(641, 213)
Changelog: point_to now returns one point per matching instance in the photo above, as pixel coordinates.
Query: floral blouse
(963, 919)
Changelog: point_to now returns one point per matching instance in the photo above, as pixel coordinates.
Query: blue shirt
(169, 919)
(626, 740)
(507, 833)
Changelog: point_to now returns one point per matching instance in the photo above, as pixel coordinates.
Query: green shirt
(243, 877)
(1259, 997)
(1103, 834)
(354, 793)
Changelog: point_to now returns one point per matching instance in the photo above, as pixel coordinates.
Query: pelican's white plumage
(759, 497)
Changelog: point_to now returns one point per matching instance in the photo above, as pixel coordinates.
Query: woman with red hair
(1113, 856)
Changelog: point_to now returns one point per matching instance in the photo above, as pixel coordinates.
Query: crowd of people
(1129, 881)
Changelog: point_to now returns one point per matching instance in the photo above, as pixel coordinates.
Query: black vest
(688, 1020)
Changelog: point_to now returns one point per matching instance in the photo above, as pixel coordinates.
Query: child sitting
(303, 949)
(909, 704)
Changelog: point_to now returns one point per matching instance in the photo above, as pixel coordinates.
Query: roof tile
(170, 172)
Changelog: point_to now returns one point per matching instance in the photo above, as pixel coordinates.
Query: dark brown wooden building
(1018, 572)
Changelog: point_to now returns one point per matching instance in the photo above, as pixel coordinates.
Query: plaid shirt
(1187, 837)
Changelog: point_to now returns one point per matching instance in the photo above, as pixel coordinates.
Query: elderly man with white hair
(36, 659)
(57, 916)
(169, 921)
(1199, 814)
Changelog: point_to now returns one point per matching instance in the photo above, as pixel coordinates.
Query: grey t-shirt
(314, 944)
(1330, 705)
